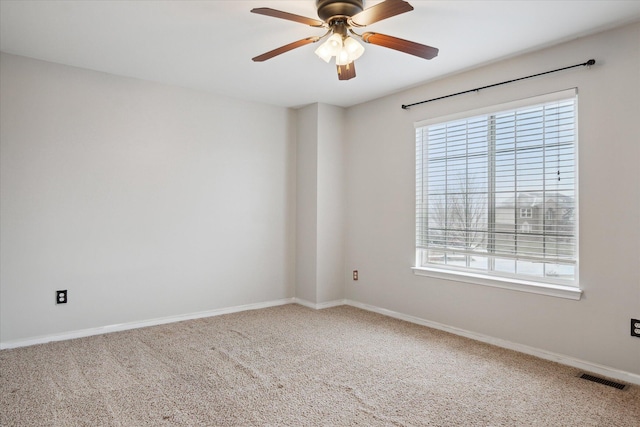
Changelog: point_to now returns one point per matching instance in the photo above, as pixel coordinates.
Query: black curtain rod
(588, 63)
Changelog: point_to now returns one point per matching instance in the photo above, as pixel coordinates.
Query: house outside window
(496, 193)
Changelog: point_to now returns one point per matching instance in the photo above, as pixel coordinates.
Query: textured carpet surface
(291, 365)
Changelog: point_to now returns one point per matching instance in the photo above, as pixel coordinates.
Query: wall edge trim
(139, 324)
(320, 305)
(607, 371)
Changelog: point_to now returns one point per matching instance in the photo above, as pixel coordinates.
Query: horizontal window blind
(497, 193)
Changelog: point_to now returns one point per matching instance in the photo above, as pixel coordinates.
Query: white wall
(380, 173)
(142, 200)
(320, 204)
(331, 203)
(307, 203)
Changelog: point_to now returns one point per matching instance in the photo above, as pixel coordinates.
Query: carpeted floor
(291, 365)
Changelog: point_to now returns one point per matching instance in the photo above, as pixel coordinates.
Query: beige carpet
(291, 365)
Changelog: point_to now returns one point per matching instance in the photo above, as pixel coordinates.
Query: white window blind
(496, 193)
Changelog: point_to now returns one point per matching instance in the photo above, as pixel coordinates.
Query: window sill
(559, 291)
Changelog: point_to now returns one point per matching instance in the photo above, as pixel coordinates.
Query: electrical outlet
(635, 328)
(61, 297)
(355, 274)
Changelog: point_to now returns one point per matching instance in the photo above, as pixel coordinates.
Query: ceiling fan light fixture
(324, 52)
(345, 50)
(335, 43)
(354, 48)
(351, 50)
(331, 47)
(343, 57)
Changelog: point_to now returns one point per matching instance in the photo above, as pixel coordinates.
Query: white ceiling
(208, 45)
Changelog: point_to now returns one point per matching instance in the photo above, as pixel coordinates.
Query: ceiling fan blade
(381, 11)
(346, 72)
(406, 46)
(289, 16)
(285, 48)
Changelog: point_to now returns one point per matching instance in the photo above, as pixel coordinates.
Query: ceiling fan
(339, 18)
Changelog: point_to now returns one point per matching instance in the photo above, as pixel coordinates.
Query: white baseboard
(606, 371)
(320, 305)
(141, 324)
(584, 365)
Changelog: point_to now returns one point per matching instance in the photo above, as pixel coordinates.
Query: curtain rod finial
(591, 62)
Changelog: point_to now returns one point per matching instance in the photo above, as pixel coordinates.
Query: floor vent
(609, 383)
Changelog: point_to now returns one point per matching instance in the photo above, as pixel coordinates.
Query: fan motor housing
(330, 8)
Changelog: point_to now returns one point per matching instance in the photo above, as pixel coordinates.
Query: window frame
(526, 213)
(520, 283)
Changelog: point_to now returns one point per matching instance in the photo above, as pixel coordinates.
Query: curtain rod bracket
(587, 64)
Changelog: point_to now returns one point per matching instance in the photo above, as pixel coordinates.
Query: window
(526, 212)
(496, 192)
